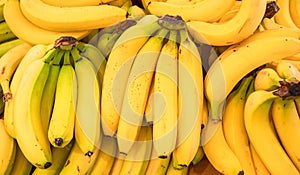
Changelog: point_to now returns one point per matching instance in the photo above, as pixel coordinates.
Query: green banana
(4, 47)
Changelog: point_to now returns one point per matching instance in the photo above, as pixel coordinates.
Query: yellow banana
(267, 79)
(294, 8)
(165, 104)
(77, 162)
(116, 168)
(286, 121)
(269, 24)
(283, 16)
(287, 70)
(173, 171)
(135, 98)
(106, 157)
(260, 168)
(157, 165)
(117, 70)
(34, 53)
(70, 3)
(206, 10)
(28, 126)
(6, 46)
(261, 133)
(62, 122)
(30, 32)
(7, 150)
(190, 85)
(87, 116)
(231, 13)
(71, 18)
(21, 165)
(233, 125)
(137, 159)
(240, 27)
(60, 156)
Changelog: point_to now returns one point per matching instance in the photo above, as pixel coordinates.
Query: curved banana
(87, 117)
(7, 150)
(71, 18)
(60, 156)
(240, 27)
(206, 10)
(267, 79)
(165, 106)
(283, 16)
(135, 98)
(116, 168)
(261, 133)
(233, 125)
(287, 70)
(36, 52)
(294, 7)
(222, 77)
(70, 3)
(231, 13)
(77, 162)
(190, 85)
(286, 121)
(6, 46)
(260, 168)
(62, 121)
(117, 70)
(269, 24)
(29, 130)
(21, 165)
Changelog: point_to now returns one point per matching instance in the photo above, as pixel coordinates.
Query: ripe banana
(231, 13)
(286, 121)
(30, 32)
(137, 159)
(21, 165)
(70, 3)
(233, 125)
(77, 162)
(269, 24)
(87, 116)
(135, 98)
(62, 122)
(59, 156)
(28, 126)
(283, 16)
(287, 70)
(165, 111)
(261, 133)
(116, 168)
(7, 150)
(34, 53)
(106, 157)
(157, 165)
(222, 73)
(71, 18)
(240, 27)
(260, 168)
(117, 70)
(267, 79)
(206, 10)
(294, 7)
(5, 33)
(6, 46)
(190, 86)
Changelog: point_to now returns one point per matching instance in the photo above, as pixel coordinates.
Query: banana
(233, 125)
(231, 13)
(135, 98)
(6, 46)
(261, 133)
(287, 70)
(206, 10)
(77, 162)
(116, 168)
(70, 3)
(5, 33)
(286, 121)
(283, 16)
(28, 126)
(9, 63)
(136, 12)
(240, 27)
(222, 74)
(157, 165)
(294, 8)
(87, 116)
(260, 168)
(60, 156)
(190, 85)
(106, 42)
(269, 24)
(7, 150)
(62, 122)
(137, 159)
(106, 157)
(267, 79)
(21, 165)
(30, 32)
(173, 171)
(117, 70)
(71, 18)
(34, 53)
(165, 104)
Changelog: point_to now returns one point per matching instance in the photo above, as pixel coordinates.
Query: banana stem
(288, 89)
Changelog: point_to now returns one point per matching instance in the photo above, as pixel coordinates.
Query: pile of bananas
(107, 87)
